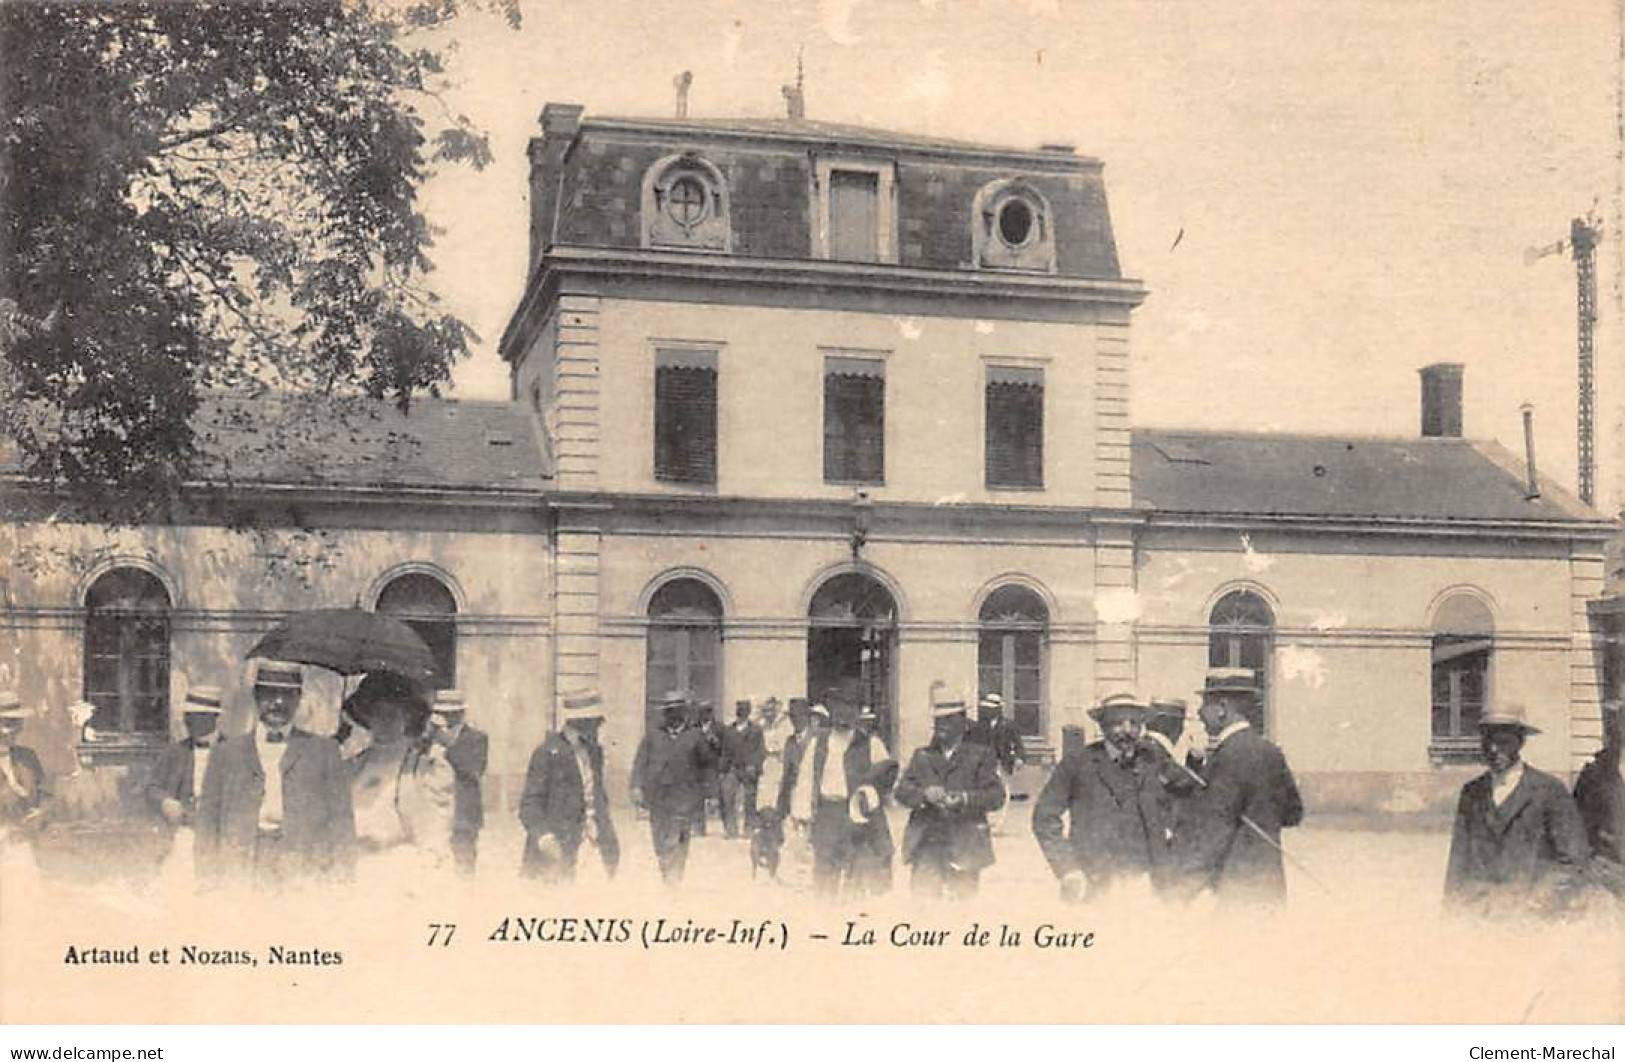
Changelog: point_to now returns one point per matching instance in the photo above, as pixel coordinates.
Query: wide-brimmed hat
(11, 706)
(279, 674)
(948, 704)
(1508, 715)
(1229, 680)
(1121, 701)
(581, 704)
(202, 700)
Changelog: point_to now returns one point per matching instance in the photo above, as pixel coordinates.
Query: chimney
(1532, 489)
(682, 82)
(560, 122)
(1441, 400)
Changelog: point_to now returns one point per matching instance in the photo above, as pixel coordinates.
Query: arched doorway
(684, 646)
(852, 644)
(423, 603)
(1013, 627)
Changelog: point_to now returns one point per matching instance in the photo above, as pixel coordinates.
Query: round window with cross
(688, 201)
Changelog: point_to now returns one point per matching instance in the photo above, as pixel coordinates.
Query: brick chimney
(560, 123)
(1441, 400)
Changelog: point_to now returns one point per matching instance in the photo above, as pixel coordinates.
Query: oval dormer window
(685, 205)
(1011, 227)
(1016, 223)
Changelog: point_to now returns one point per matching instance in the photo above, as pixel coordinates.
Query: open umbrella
(351, 641)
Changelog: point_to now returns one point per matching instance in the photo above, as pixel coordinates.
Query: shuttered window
(1015, 427)
(854, 216)
(854, 420)
(686, 417)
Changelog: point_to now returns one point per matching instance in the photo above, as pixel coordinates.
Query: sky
(1358, 184)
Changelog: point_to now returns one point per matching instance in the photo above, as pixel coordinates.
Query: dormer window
(685, 205)
(854, 212)
(1012, 229)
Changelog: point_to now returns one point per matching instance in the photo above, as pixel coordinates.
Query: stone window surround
(885, 172)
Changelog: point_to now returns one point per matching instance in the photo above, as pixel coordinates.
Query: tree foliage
(213, 195)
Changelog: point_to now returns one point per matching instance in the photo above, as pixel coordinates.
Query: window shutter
(686, 423)
(854, 420)
(1015, 427)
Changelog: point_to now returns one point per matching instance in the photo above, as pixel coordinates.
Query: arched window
(1014, 627)
(852, 645)
(426, 606)
(1463, 647)
(684, 650)
(685, 204)
(1241, 633)
(127, 656)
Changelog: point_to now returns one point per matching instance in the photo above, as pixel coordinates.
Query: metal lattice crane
(1582, 246)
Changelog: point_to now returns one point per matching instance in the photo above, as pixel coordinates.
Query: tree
(213, 195)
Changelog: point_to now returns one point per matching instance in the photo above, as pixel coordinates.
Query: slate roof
(826, 132)
(438, 444)
(1315, 475)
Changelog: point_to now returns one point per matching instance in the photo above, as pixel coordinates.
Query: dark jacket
(1001, 736)
(468, 755)
(1118, 816)
(1529, 854)
(25, 766)
(1247, 778)
(555, 797)
(971, 770)
(318, 818)
(673, 771)
(743, 749)
(1600, 796)
(171, 778)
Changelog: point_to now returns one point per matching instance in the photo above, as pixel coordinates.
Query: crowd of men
(1149, 809)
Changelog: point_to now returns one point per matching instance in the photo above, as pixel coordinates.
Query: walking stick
(1256, 828)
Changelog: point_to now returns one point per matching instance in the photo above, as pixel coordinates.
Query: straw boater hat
(1119, 702)
(1229, 680)
(1168, 706)
(448, 701)
(1511, 715)
(990, 702)
(279, 674)
(202, 700)
(582, 704)
(674, 699)
(11, 706)
(949, 704)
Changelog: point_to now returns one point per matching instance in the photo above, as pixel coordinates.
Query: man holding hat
(1518, 845)
(467, 749)
(276, 801)
(851, 843)
(564, 802)
(1111, 792)
(177, 774)
(1234, 845)
(22, 779)
(950, 786)
(670, 777)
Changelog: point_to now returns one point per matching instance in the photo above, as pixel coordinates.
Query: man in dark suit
(743, 751)
(22, 779)
(850, 851)
(1518, 846)
(177, 774)
(993, 730)
(1600, 796)
(1234, 843)
(467, 749)
(670, 777)
(564, 801)
(1111, 792)
(950, 786)
(275, 805)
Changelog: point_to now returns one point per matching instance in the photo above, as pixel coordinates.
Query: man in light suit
(839, 764)
(564, 801)
(275, 806)
(1250, 796)
(467, 749)
(950, 786)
